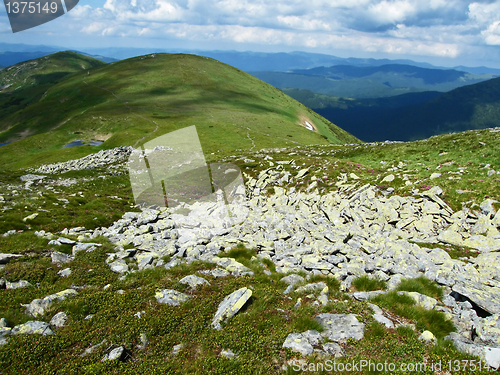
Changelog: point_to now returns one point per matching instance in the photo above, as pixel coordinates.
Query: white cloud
(445, 28)
(487, 17)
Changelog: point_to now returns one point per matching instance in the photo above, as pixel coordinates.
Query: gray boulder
(340, 327)
(37, 307)
(60, 258)
(6, 258)
(32, 327)
(298, 343)
(171, 297)
(193, 281)
(230, 306)
(59, 320)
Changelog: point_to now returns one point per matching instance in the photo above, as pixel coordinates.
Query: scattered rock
(298, 343)
(60, 258)
(230, 306)
(65, 272)
(340, 327)
(171, 297)
(32, 327)
(119, 354)
(17, 285)
(227, 353)
(193, 281)
(6, 258)
(428, 337)
(59, 320)
(37, 307)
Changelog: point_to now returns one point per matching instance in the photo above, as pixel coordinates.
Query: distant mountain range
(410, 116)
(247, 61)
(371, 81)
(375, 101)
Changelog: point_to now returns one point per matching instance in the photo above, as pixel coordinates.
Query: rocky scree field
(381, 251)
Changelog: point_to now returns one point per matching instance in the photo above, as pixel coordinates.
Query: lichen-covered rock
(365, 296)
(119, 266)
(451, 237)
(171, 297)
(428, 337)
(37, 307)
(340, 327)
(59, 320)
(117, 354)
(488, 354)
(482, 243)
(488, 330)
(32, 327)
(230, 306)
(232, 266)
(486, 297)
(193, 281)
(422, 300)
(297, 343)
(60, 258)
(17, 284)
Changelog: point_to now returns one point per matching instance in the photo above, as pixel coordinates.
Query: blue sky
(446, 32)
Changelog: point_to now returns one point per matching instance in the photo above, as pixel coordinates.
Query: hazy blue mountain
(372, 81)
(11, 58)
(411, 116)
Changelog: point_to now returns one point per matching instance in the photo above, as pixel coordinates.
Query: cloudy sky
(446, 32)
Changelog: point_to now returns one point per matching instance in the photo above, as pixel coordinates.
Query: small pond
(79, 142)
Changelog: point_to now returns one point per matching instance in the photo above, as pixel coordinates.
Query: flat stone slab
(365, 296)
(488, 298)
(171, 297)
(6, 258)
(230, 306)
(340, 327)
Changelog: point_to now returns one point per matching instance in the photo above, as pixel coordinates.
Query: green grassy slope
(139, 99)
(25, 83)
(48, 69)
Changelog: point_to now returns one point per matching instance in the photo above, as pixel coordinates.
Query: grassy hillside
(373, 81)
(24, 84)
(45, 70)
(139, 99)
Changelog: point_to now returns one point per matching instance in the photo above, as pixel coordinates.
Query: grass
(404, 306)
(421, 285)
(368, 284)
(257, 333)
